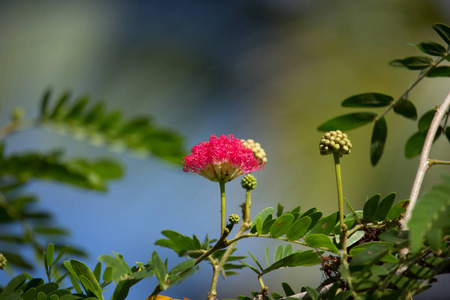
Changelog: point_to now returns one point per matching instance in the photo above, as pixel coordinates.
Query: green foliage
(284, 259)
(348, 122)
(430, 220)
(415, 142)
(100, 127)
(37, 227)
(401, 106)
(78, 172)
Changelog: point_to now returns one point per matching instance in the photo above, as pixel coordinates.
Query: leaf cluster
(99, 126)
(402, 106)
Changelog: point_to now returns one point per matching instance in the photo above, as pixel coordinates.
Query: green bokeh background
(267, 70)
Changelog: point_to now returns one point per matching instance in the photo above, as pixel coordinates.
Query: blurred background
(267, 70)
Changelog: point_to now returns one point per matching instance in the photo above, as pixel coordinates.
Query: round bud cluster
(258, 152)
(17, 114)
(249, 182)
(335, 142)
(2, 261)
(234, 219)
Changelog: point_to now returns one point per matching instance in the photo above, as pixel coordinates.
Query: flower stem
(245, 225)
(343, 227)
(222, 206)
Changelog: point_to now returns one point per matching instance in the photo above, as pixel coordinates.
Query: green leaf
(160, 270)
(95, 115)
(444, 32)
(280, 209)
(443, 71)
(122, 289)
(41, 296)
(256, 261)
(50, 253)
(397, 210)
(298, 229)
(425, 121)
(251, 267)
(77, 109)
(13, 285)
(312, 293)
(278, 253)
(414, 144)
(379, 135)
(98, 271)
(287, 250)
(355, 237)
(315, 217)
(60, 106)
(431, 48)
(44, 103)
(412, 63)
(384, 207)
(447, 133)
(183, 266)
(287, 289)
(178, 242)
(259, 225)
(370, 254)
(61, 253)
(267, 256)
(396, 237)
(406, 108)
(321, 241)
(47, 288)
(263, 215)
(281, 225)
(348, 122)
(430, 218)
(74, 281)
(325, 225)
(370, 208)
(50, 230)
(306, 258)
(368, 100)
(29, 294)
(82, 271)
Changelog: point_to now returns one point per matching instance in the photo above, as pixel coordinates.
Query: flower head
(223, 159)
(335, 142)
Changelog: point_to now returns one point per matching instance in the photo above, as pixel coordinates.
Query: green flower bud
(2, 261)
(249, 182)
(234, 219)
(17, 114)
(335, 142)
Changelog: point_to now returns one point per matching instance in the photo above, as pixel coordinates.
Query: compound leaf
(349, 121)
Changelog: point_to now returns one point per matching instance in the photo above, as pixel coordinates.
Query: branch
(424, 162)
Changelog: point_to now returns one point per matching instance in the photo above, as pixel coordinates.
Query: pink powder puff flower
(222, 159)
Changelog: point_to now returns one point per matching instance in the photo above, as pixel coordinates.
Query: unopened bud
(249, 182)
(335, 142)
